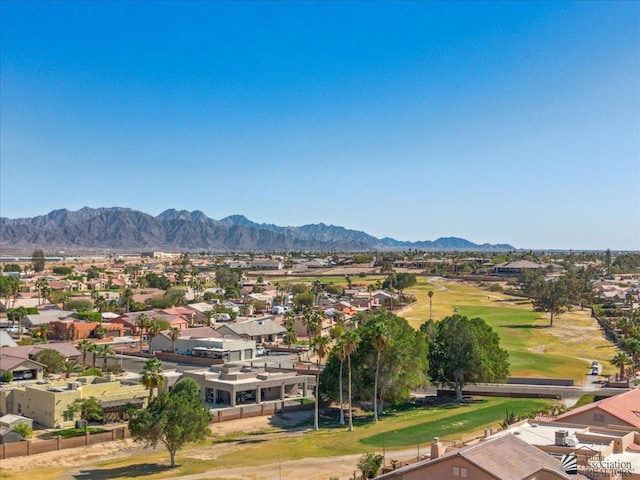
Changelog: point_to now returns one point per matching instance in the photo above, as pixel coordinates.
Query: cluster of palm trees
(97, 350)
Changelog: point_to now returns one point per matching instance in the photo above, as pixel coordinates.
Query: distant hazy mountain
(124, 229)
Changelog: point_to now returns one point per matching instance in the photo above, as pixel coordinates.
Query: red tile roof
(625, 407)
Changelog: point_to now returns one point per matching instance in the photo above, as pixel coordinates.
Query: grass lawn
(77, 432)
(535, 349)
(450, 421)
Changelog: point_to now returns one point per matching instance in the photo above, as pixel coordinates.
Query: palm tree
(44, 330)
(289, 336)
(351, 340)
(69, 367)
(317, 286)
(127, 296)
(209, 314)
(84, 346)
(632, 347)
(41, 285)
(174, 334)
(142, 322)
(430, 293)
(105, 351)
(152, 331)
(620, 360)
(94, 352)
(20, 313)
(341, 354)
(380, 338)
(152, 376)
(370, 288)
(321, 347)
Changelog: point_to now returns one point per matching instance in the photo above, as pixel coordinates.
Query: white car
(260, 351)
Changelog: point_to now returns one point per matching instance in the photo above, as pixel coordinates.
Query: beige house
(619, 410)
(231, 384)
(48, 403)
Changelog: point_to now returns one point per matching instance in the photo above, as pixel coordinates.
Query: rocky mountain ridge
(125, 229)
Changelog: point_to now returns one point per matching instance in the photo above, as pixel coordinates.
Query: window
(67, 416)
(460, 472)
(598, 417)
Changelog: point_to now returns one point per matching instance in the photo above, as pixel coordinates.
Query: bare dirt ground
(79, 463)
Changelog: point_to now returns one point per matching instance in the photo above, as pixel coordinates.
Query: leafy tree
(12, 267)
(37, 260)
(62, 270)
(88, 409)
(302, 301)
(51, 359)
(552, 298)
(78, 305)
(369, 464)
(173, 419)
(152, 375)
(400, 281)
(466, 351)
(157, 281)
(43, 331)
(6, 377)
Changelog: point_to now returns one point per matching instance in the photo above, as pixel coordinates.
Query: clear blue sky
(507, 122)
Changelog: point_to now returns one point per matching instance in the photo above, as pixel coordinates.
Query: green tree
(552, 298)
(174, 334)
(24, 429)
(303, 301)
(351, 341)
(42, 285)
(38, 260)
(369, 464)
(152, 375)
(104, 351)
(88, 409)
(43, 331)
(321, 348)
(621, 360)
(127, 297)
(466, 351)
(154, 329)
(84, 346)
(430, 293)
(173, 419)
(379, 338)
(51, 359)
(69, 367)
(142, 324)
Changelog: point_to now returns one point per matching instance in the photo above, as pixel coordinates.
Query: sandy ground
(80, 462)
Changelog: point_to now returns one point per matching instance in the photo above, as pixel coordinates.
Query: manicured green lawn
(471, 417)
(77, 432)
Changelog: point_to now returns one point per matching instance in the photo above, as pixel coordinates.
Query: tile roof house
(262, 330)
(622, 409)
(499, 458)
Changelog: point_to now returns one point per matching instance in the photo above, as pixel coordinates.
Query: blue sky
(497, 122)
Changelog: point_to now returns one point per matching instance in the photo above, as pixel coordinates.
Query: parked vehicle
(261, 351)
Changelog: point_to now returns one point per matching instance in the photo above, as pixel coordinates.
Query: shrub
(7, 377)
(23, 429)
(369, 464)
(93, 372)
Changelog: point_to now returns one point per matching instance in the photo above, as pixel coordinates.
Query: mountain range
(128, 230)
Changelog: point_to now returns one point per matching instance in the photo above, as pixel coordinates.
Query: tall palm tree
(105, 351)
(20, 313)
(340, 349)
(620, 360)
(632, 347)
(142, 323)
(41, 285)
(317, 286)
(430, 293)
(321, 347)
(380, 338)
(94, 351)
(84, 346)
(152, 331)
(351, 340)
(127, 296)
(152, 376)
(174, 334)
